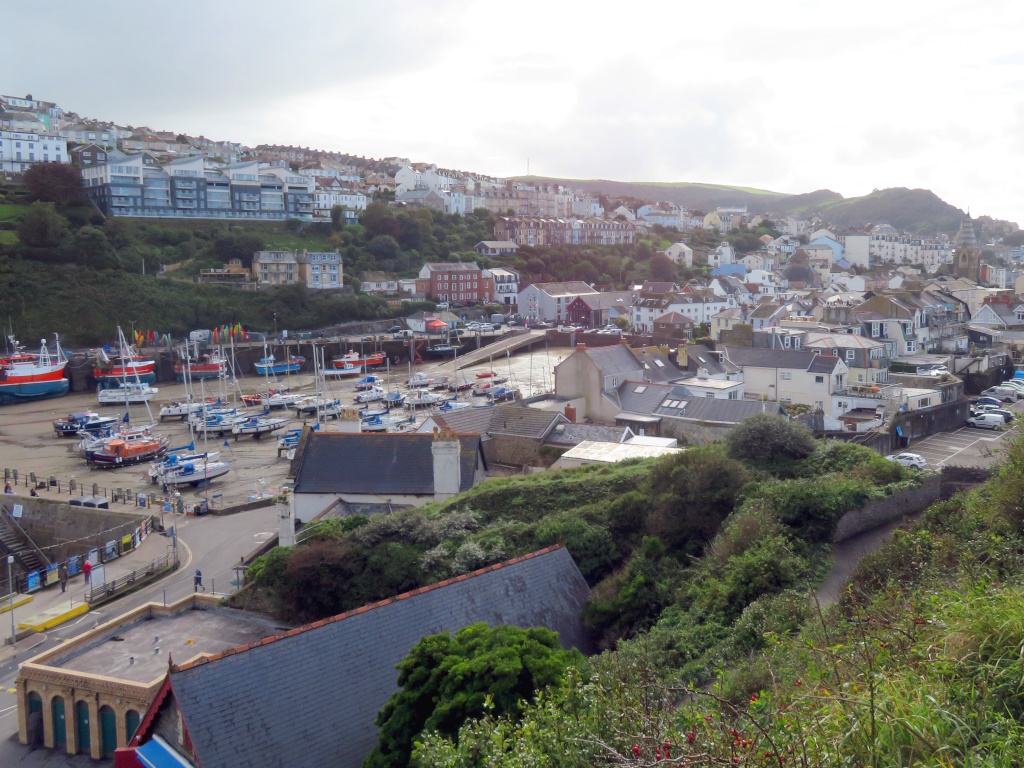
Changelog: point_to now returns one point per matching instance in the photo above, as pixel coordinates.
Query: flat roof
(915, 392)
(148, 641)
(695, 381)
(609, 453)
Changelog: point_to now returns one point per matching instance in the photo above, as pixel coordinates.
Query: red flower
(799, 683)
(636, 750)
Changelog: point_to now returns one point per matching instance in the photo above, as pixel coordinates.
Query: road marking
(10, 690)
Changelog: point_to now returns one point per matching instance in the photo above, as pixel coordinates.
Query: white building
(680, 253)
(325, 198)
(548, 302)
(856, 248)
(721, 256)
(406, 179)
(506, 285)
(19, 150)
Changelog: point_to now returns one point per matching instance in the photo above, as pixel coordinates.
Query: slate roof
(521, 421)
(699, 356)
(759, 357)
(375, 463)
(642, 398)
(468, 421)
(614, 360)
(570, 288)
(711, 410)
(309, 697)
(574, 434)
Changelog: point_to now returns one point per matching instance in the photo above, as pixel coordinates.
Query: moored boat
(208, 366)
(270, 365)
(440, 350)
(354, 359)
(129, 365)
(32, 376)
(88, 422)
(129, 449)
(257, 426)
(421, 399)
(371, 395)
(378, 423)
(130, 392)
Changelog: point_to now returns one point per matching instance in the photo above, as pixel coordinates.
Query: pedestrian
(7, 488)
(87, 570)
(63, 573)
(198, 581)
(33, 492)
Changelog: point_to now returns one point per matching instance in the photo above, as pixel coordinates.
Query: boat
(289, 439)
(257, 426)
(499, 380)
(371, 395)
(484, 404)
(172, 457)
(282, 399)
(125, 393)
(127, 365)
(450, 406)
(182, 410)
(270, 365)
(88, 422)
(320, 407)
(372, 360)
(420, 379)
(32, 376)
(460, 386)
(481, 390)
(504, 394)
(345, 371)
(194, 472)
(218, 424)
(208, 366)
(366, 413)
(485, 374)
(422, 399)
(132, 448)
(368, 382)
(379, 423)
(441, 383)
(441, 351)
(394, 399)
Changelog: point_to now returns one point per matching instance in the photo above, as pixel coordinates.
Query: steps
(27, 557)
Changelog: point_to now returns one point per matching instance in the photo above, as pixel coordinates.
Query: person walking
(87, 570)
(197, 583)
(62, 571)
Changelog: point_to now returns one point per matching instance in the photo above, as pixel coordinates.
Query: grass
(10, 210)
(8, 237)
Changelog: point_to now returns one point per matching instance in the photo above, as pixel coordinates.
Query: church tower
(967, 257)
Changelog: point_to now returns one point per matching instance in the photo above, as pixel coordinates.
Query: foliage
(767, 440)
(58, 183)
(42, 226)
(446, 680)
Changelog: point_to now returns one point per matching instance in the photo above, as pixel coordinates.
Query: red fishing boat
(127, 366)
(372, 360)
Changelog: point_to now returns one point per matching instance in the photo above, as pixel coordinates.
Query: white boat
(282, 399)
(194, 473)
(257, 426)
(170, 460)
(449, 406)
(219, 424)
(345, 371)
(180, 410)
(131, 393)
(326, 407)
(420, 379)
(385, 423)
(371, 395)
(420, 398)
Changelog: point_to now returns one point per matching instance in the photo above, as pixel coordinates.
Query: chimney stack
(446, 452)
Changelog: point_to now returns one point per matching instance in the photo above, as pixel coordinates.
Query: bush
(813, 507)
(766, 440)
(591, 547)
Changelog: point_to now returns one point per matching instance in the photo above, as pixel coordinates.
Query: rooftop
(609, 453)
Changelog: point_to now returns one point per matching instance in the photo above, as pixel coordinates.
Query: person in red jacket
(87, 570)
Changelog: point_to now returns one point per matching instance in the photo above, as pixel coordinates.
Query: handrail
(25, 534)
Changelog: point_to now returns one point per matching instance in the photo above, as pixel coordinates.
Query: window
(819, 379)
(874, 330)
(786, 376)
(850, 354)
(710, 394)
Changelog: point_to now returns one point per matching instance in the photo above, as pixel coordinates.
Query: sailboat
(320, 405)
(190, 468)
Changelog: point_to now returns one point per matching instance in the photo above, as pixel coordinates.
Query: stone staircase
(25, 555)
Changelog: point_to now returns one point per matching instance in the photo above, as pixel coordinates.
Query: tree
(53, 183)
(93, 249)
(445, 680)
(766, 439)
(42, 226)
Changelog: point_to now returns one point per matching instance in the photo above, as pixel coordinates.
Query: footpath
(48, 607)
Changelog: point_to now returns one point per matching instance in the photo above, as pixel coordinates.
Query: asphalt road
(967, 446)
(212, 544)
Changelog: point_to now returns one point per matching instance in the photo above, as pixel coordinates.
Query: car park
(908, 460)
(986, 421)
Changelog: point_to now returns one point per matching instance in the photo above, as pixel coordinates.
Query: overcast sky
(788, 96)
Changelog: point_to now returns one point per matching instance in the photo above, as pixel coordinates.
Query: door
(60, 738)
(82, 723)
(35, 719)
(108, 730)
(131, 723)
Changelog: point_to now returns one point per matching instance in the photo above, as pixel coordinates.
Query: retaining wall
(64, 531)
(881, 511)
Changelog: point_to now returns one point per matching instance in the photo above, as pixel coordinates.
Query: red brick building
(456, 281)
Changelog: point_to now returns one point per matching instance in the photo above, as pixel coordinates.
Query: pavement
(212, 544)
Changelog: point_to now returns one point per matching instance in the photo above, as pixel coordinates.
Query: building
(85, 697)
(330, 192)
(596, 310)
(330, 679)
(506, 285)
(231, 273)
(549, 302)
(680, 253)
(672, 329)
(86, 155)
(91, 133)
(458, 281)
(275, 267)
(698, 304)
(378, 282)
(321, 269)
(496, 248)
(196, 188)
(594, 452)
(790, 376)
(365, 472)
(535, 231)
(856, 248)
(20, 149)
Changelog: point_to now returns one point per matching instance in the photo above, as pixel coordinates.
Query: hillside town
(401, 491)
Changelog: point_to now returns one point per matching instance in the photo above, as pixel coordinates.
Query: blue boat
(34, 390)
(271, 365)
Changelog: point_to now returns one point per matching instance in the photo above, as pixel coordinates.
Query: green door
(82, 718)
(108, 728)
(60, 737)
(35, 719)
(131, 723)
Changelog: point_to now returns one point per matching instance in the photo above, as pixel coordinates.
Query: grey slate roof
(522, 421)
(759, 357)
(699, 356)
(309, 697)
(468, 421)
(614, 360)
(574, 434)
(639, 397)
(375, 463)
(713, 410)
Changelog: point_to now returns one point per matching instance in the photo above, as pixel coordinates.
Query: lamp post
(10, 588)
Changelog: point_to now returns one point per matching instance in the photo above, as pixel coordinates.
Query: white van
(987, 421)
(1006, 394)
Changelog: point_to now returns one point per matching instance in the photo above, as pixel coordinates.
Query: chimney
(445, 451)
(570, 413)
(702, 373)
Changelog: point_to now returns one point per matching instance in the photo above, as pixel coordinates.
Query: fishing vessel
(271, 366)
(32, 376)
(204, 367)
(354, 359)
(368, 382)
(420, 379)
(345, 371)
(371, 395)
(88, 422)
(441, 351)
(130, 392)
(128, 364)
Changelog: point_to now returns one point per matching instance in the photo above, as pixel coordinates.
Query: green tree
(765, 439)
(446, 680)
(53, 183)
(93, 249)
(42, 226)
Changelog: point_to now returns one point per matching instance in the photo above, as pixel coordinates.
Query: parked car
(914, 460)
(986, 421)
(394, 329)
(402, 333)
(987, 401)
(1016, 385)
(458, 332)
(495, 326)
(1005, 394)
(1008, 416)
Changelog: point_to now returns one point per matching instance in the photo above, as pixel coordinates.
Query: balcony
(876, 391)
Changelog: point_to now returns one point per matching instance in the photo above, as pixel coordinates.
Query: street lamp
(10, 588)
(275, 324)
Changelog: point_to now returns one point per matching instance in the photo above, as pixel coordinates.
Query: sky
(787, 96)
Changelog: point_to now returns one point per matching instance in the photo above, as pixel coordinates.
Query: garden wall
(881, 511)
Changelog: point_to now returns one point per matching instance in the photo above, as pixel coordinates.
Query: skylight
(659, 363)
(640, 389)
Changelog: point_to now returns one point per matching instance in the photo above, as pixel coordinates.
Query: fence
(108, 590)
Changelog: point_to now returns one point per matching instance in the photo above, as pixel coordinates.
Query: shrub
(591, 547)
(767, 440)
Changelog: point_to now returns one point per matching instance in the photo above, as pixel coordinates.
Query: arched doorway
(131, 723)
(35, 719)
(82, 726)
(108, 730)
(60, 732)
